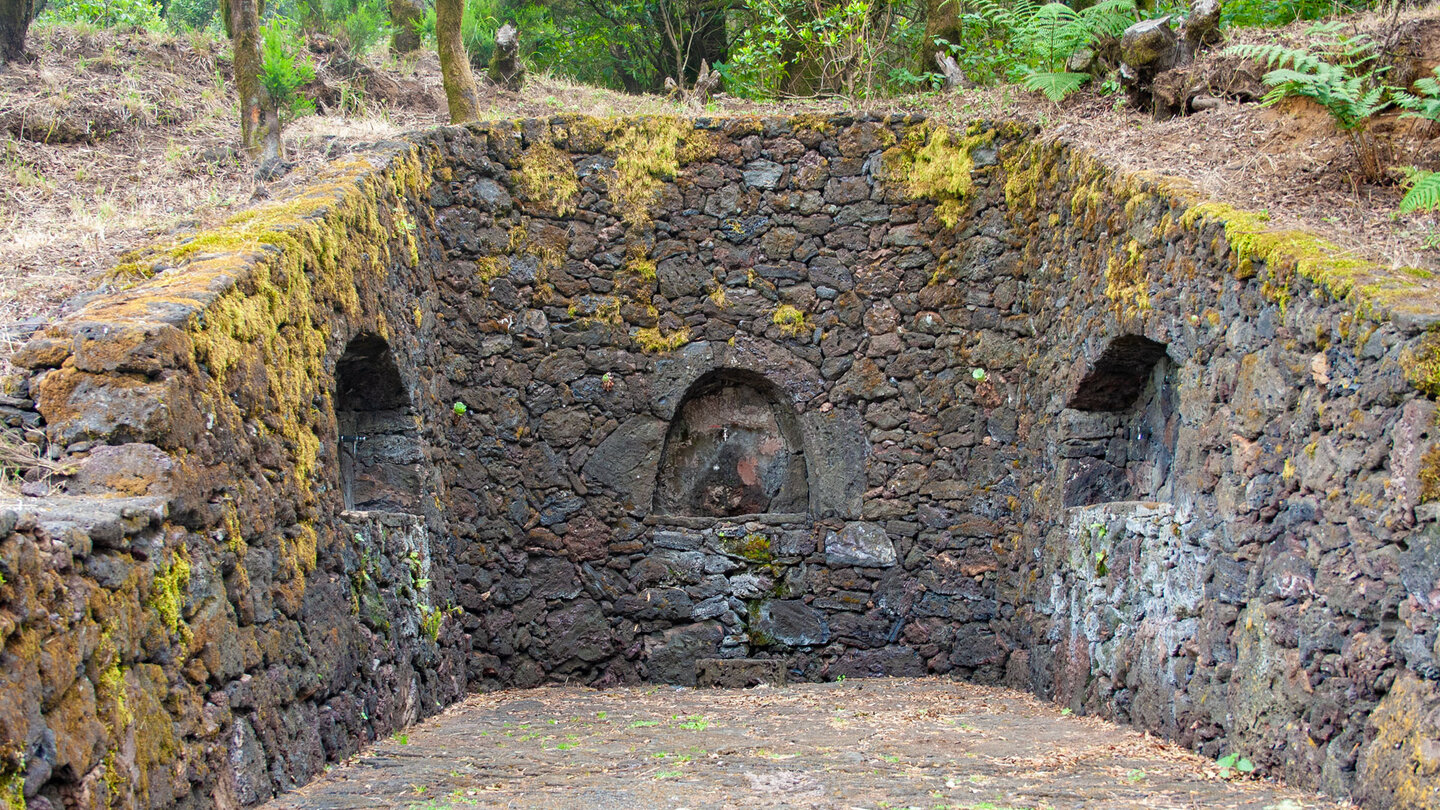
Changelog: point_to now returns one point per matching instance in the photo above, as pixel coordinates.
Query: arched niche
(1117, 431)
(732, 448)
(380, 454)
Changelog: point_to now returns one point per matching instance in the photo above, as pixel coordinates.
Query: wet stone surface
(899, 743)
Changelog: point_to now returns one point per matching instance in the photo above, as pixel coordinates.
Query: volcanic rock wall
(869, 396)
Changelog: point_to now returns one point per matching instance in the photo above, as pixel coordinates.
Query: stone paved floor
(871, 744)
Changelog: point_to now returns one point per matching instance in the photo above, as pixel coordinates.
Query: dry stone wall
(865, 396)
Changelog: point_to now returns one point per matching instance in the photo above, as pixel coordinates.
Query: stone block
(738, 673)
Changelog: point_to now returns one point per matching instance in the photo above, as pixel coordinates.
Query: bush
(808, 47)
(358, 24)
(285, 67)
(105, 13)
(192, 15)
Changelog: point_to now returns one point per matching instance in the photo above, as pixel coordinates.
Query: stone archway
(733, 448)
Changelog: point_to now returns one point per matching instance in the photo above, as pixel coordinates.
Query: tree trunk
(461, 94)
(712, 46)
(15, 16)
(942, 21)
(404, 15)
(259, 120)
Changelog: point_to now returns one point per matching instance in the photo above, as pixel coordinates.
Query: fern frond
(1424, 194)
(1279, 56)
(1055, 86)
(1426, 105)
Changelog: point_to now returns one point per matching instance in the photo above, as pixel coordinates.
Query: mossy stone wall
(925, 299)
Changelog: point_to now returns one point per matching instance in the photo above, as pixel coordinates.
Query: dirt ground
(885, 743)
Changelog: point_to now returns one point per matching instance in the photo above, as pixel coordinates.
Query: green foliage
(285, 67)
(1341, 77)
(1270, 13)
(357, 24)
(857, 49)
(1424, 193)
(1233, 764)
(105, 13)
(1030, 42)
(192, 15)
(1426, 105)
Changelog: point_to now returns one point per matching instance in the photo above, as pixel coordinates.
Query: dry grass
(21, 461)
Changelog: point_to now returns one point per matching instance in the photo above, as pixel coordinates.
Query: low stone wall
(867, 396)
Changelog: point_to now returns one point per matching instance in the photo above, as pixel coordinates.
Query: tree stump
(506, 69)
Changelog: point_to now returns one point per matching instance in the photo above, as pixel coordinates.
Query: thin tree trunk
(259, 120)
(15, 16)
(461, 93)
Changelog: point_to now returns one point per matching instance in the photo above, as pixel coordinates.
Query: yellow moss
(489, 268)
(1422, 365)
(168, 597)
(548, 177)
(652, 341)
(404, 225)
(696, 146)
(1288, 472)
(638, 264)
(419, 316)
(645, 157)
(1126, 282)
(12, 790)
(792, 322)
(717, 296)
(1022, 180)
(1287, 253)
(1430, 474)
(936, 164)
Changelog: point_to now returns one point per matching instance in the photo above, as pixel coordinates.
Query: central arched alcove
(380, 455)
(733, 448)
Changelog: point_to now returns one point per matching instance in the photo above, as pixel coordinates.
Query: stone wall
(867, 396)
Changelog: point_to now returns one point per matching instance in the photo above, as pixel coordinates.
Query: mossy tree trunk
(461, 94)
(259, 120)
(15, 16)
(404, 16)
(942, 21)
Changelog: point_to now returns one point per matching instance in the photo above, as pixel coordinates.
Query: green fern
(1043, 36)
(1339, 75)
(1424, 193)
(1055, 86)
(1350, 100)
(1426, 105)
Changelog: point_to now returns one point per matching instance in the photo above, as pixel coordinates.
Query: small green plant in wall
(460, 408)
(1233, 765)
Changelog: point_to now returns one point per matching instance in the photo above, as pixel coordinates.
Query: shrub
(1340, 75)
(105, 13)
(809, 47)
(285, 67)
